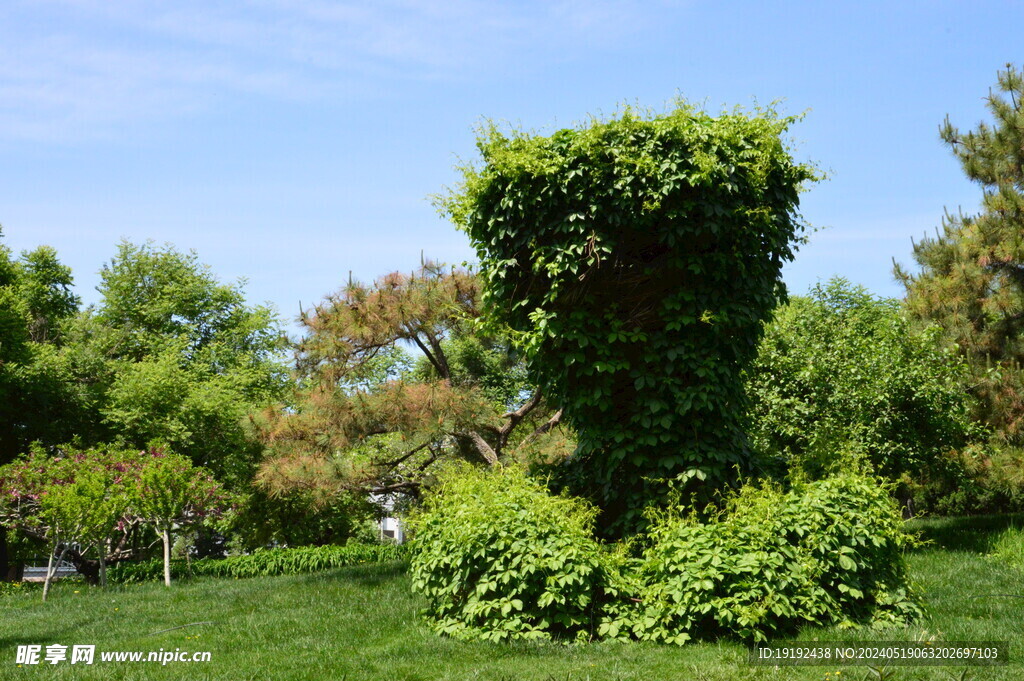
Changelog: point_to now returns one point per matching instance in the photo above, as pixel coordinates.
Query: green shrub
(826, 552)
(842, 369)
(261, 563)
(500, 558)
(988, 478)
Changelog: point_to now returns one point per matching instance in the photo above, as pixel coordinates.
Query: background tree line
(393, 381)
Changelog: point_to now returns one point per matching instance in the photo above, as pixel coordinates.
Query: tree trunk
(103, 570)
(87, 567)
(167, 556)
(51, 569)
(10, 571)
(49, 572)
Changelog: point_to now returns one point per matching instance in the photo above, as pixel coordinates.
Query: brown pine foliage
(361, 423)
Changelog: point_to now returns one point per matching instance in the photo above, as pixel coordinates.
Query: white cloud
(74, 68)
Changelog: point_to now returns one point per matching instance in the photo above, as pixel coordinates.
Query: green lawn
(361, 623)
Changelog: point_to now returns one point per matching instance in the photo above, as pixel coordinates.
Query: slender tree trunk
(51, 569)
(167, 556)
(103, 568)
(49, 572)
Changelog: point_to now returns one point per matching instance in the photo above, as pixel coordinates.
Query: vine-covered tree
(637, 258)
(971, 280)
(371, 419)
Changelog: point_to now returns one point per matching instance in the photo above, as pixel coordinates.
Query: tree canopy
(174, 356)
(842, 374)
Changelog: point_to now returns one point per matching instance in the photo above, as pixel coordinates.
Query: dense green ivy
(636, 258)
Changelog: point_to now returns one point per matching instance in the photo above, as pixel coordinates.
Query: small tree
(172, 494)
(637, 258)
(98, 500)
(74, 502)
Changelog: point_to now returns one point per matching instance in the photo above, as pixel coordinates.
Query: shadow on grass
(371, 574)
(974, 534)
(58, 634)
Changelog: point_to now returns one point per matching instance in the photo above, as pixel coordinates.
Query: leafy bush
(261, 563)
(826, 552)
(500, 558)
(842, 370)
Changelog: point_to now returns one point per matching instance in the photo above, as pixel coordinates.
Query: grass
(361, 623)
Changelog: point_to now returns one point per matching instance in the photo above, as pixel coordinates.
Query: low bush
(499, 558)
(981, 478)
(261, 563)
(826, 552)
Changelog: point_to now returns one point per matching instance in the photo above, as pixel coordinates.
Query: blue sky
(292, 142)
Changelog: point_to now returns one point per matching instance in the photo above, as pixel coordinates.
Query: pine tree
(971, 281)
(367, 418)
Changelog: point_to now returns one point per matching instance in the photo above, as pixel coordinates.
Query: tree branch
(405, 457)
(442, 360)
(442, 370)
(555, 419)
(516, 417)
(485, 449)
(403, 486)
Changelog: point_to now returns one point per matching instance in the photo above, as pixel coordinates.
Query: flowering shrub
(97, 500)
